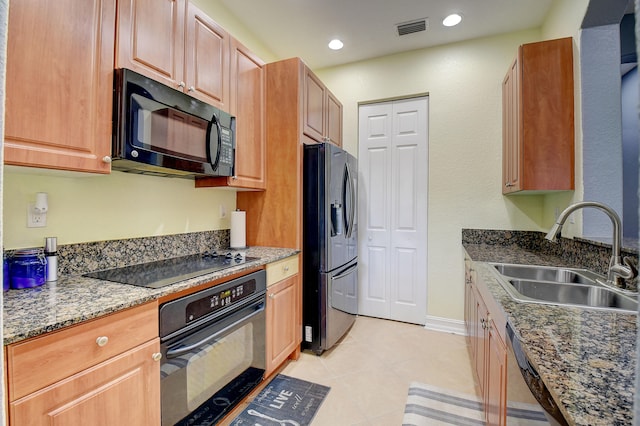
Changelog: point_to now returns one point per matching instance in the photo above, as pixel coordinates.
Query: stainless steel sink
(574, 294)
(562, 286)
(546, 273)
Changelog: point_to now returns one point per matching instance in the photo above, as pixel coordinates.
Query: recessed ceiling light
(335, 44)
(451, 20)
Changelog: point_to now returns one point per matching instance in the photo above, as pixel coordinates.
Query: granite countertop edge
(585, 357)
(74, 299)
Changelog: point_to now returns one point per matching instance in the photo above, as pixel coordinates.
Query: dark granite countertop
(75, 298)
(586, 357)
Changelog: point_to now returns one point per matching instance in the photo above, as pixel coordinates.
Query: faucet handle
(634, 270)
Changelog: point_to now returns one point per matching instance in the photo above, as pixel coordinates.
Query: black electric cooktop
(170, 271)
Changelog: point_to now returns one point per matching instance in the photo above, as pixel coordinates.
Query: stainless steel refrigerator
(330, 245)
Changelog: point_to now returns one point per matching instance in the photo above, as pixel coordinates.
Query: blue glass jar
(27, 268)
(5, 273)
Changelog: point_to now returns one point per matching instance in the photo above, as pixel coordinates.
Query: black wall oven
(161, 131)
(213, 347)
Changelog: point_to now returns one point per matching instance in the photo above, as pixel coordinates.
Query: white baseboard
(445, 325)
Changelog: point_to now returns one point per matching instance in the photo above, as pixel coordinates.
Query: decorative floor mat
(285, 401)
(429, 406)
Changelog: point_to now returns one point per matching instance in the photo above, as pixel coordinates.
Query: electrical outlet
(35, 220)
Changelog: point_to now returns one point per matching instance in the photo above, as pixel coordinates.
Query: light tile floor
(370, 369)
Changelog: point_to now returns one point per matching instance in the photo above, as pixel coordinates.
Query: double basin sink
(562, 286)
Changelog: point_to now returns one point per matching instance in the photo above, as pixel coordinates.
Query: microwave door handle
(216, 122)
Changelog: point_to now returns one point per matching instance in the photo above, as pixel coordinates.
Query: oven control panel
(218, 300)
(190, 310)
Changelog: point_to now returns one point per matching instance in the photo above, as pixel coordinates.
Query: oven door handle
(174, 353)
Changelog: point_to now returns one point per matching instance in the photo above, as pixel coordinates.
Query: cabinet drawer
(41, 361)
(278, 271)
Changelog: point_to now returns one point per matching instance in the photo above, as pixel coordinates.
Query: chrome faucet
(618, 270)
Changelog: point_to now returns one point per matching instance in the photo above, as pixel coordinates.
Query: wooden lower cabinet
(284, 312)
(101, 372)
(496, 378)
(487, 348)
(122, 390)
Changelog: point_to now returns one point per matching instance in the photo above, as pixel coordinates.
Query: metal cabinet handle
(181, 84)
(271, 296)
(286, 268)
(191, 89)
(106, 159)
(102, 341)
(156, 356)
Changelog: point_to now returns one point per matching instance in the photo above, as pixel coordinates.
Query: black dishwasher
(527, 396)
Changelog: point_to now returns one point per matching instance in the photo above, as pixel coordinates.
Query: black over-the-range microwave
(161, 131)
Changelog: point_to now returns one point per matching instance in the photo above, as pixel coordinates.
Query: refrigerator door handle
(346, 272)
(349, 212)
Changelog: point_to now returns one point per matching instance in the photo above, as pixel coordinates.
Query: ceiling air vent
(413, 26)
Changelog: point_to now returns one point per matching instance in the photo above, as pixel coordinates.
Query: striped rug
(431, 406)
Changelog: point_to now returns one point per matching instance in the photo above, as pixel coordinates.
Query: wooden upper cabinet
(248, 98)
(207, 59)
(150, 39)
(322, 111)
(274, 216)
(538, 119)
(334, 119)
(247, 82)
(175, 43)
(59, 82)
(314, 106)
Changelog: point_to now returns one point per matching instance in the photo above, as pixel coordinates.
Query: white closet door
(393, 164)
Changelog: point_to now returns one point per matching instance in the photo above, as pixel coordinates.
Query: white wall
(465, 140)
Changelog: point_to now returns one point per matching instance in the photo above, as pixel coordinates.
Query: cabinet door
(511, 142)
(207, 59)
(480, 337)
(334, 119)
(124, 390)
(469, 302)
(283, 301)
(496, 386)
(538, 119)
(314, 106)
(248, 94)
(151, 39)
(59, 84)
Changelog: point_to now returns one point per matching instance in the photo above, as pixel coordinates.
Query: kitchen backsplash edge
(574, 252)
(77, 259)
